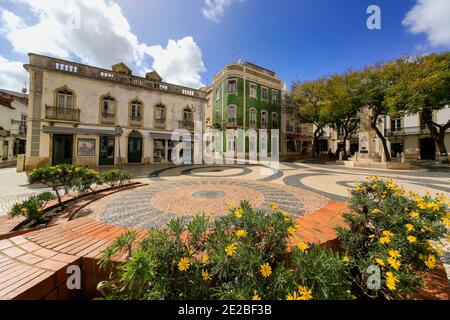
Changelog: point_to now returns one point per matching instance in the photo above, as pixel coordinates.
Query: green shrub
(115, 177)
(243, 255)
(396, 231)
(32, 208)
(64, 177)
(85, 179)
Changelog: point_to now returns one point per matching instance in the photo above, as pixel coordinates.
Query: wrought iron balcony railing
(65, 114)
(408, 131)
(108, 118)
(186, 124)
(160, 123)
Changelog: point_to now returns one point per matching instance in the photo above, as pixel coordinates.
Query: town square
(248, 179)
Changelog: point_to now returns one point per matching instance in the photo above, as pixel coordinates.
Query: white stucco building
(408, 134)
(92, 116)
(13, 124)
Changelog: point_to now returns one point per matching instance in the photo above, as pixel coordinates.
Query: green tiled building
(243, 96)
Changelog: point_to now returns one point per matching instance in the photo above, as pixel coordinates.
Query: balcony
(64, 114)
(231, 123)
(353, 135)
(22, 129)
(160, 123)
(108, 118)
(136, 121)
(186, 124)
(408, 131)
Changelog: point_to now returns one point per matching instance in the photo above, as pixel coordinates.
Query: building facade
(91, 116)
(244, 96)
(13, 124)
(407, 134)
(296, 137)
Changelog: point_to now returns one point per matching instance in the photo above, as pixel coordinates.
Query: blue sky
(299, 39)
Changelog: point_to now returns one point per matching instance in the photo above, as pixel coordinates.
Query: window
(108, 106)
(187, 115)
(232, 115)
(160, 113)
(264, 120)
(232, 86)
(253, 90)
(252, 117)
(396, 124)
(136, 108)
(217, 117)
(274, 120)
(264, 93)
(274, 96)
(64, 99)
(217, 94)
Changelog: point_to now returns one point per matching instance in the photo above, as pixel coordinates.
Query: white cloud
(98, 33)
(12, 74)
(181, 61)
(215, 9)
(432, 18)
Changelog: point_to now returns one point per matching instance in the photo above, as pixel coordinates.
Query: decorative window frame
(100, 109)
(130, 106)
(235, 92)
(255, 96)
(262, 96)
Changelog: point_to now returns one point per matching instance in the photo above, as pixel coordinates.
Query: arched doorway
(427, 149)
(135, 147)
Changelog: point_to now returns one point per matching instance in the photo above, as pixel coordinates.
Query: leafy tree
(343, 103)
(422, 86)
(309, 99)
(372, 92)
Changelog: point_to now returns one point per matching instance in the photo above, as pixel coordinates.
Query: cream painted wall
(89, 91)
(87, 98)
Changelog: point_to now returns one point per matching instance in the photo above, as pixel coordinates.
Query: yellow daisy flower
(394, 253)
(231, 249)
(293, 296)
(394, 263)
(380, 262)
(409, 226)
(302, 245)
(184, 264)
(205, 275)
(266, 270)
(241, 233)
(256, 297)
(305, 293)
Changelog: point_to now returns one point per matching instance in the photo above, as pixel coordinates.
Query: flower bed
(389, 245)
(63, 180)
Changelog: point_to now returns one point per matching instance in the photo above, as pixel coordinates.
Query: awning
(72, 130)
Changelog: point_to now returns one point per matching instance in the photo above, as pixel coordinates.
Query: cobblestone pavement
(158, 203)
(326, 180)
(14, 187)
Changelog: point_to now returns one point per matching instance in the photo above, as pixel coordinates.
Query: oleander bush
(115, 177)
(33, 207)
(243, 255)
(397, 231)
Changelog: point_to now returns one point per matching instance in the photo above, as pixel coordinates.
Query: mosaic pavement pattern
(156, 204)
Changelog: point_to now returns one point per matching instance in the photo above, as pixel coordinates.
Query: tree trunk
(438, 135)
(317, 134)
(380, 135)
